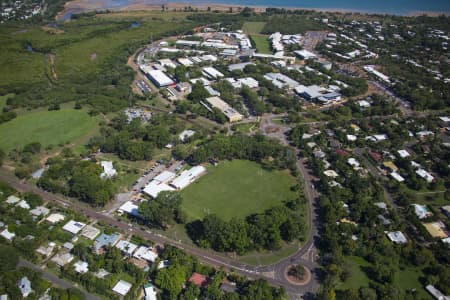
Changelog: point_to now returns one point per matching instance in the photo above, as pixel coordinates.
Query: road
(54, 279)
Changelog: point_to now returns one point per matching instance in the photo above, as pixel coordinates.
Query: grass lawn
(269, 257)
(47, 127)
(409, 279)
(261, 43)
(246, 127)
(358, 277)
(253, 27)
(236, 188)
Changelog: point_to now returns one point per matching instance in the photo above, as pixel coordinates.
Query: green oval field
(236, 188)
(46, 127)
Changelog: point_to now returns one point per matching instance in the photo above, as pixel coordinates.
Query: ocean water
(396, 7)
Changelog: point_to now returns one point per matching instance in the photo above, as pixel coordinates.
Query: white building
(73, 226)
(305, 54)
(281, 80)
(90, 232)
(403, 153)
(55, 218)
(397, 237)
(231, 114)
(81, 267)
(23, 204)
(7, 234)
(126, 247)
(186, 134)
(212, 73)
(437, 294)
(150, 292)
(159, 78)
(145, 253)
(187, 177)
(397, 177)
(39, 211)
(12, 199)
(129, 208)
(122, 287)
(155, 187)
(108, 169)
(425, 175)
(421, 211)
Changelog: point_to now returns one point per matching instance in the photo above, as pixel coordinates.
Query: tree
(162, 210)
(9, 258)
(297, 271)
(171, 280)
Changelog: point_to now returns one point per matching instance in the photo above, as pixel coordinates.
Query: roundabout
(297, 280)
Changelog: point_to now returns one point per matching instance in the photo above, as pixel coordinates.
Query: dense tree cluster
(162, 211)
(77, 178)
(256, 232)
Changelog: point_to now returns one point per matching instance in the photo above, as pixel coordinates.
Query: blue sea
(395, 7)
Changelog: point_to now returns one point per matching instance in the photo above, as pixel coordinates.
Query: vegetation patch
(236, 188)
(253, 27)
(47, 128)
(261, 43)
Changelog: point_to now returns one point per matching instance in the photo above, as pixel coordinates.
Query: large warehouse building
(231, 114)
(158, 77)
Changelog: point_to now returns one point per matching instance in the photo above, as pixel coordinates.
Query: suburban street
(54, 279)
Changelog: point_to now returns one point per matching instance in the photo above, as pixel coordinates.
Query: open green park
(236, 188)
(48, 128)
(261, 42)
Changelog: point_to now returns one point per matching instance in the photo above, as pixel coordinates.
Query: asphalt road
(274, 273)
(54, 279)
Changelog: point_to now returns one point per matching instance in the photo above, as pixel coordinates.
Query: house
(187, 177)
(90, 232)
(108, 170)
(198, 279)
(186, 134)
(62, 258)
(145, 253)
(353, 163)
(7, 235)
(390, 166)
(55, 218)
(39, 211)
(46, 251)
(351, 137)
(436, 229)
(397, 177)
(24, 286)
(403, 153)
(23, 204)
(81, 267)
(12, 199)
(446, 210)
(397, 237)
(331, 173)
(122, 287)
(425, 175)
(436, 293)
(68, 246)
(228, 287)
(231, 114)
(73, 226)
(239, 66)
(104, 240)
(421, 211)
(126, 247)
(129, 208)
(150, 292)
(4, 297)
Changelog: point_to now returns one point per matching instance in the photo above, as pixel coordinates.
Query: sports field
(261, 43)
(236, 188)
(47, 127)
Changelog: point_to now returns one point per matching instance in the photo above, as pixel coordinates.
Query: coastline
(80, 6)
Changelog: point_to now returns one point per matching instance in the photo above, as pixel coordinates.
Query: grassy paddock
(253, 27)
(236, 188)
(46, 127)
(261, 43)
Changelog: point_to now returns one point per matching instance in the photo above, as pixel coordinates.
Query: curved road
(274, 273)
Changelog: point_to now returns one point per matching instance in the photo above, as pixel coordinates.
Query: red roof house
(198, 279)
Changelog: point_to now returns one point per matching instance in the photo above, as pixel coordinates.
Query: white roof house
(24, 286)
(73, 226)
(403, 153)
(46, 250)
(108, 169)
(421, 211)
(437, 294)
(397, 177)
(331, 173)
(212, 73)
(62, 259)
(55, 218)
(90, 232)
(187, 177)
(185, 62)
(145, 253)
(81, 267)
(150, 292)
(186, 134)
(353, 162)
(12, 199)
(351, 137)
(155, 187)
(40, 211)
(126, 247)
(425, 175)
(164, 176)
(129, 208)
(397, 237)
(7, 235)
(23, 204)
(122, 287)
